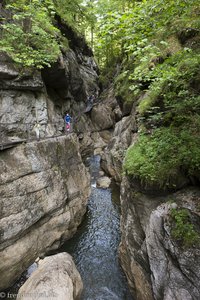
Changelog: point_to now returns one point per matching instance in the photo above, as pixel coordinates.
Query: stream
(94, 247)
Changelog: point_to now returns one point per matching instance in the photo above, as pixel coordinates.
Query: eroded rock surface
(56, 278)
(157, 267)
(44, 191)
(113, 155)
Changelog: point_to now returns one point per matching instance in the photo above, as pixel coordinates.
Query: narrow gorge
(110, 209)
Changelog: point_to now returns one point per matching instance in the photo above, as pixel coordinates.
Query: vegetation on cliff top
(29, 32)
(155, 43)
(158, 45)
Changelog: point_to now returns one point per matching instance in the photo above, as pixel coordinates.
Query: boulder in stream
(56, 278)
(103, 182)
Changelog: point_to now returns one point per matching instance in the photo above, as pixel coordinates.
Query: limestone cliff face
(44, 191)
(157, 267)
(27, 97)
(44, 186)
(124, 134)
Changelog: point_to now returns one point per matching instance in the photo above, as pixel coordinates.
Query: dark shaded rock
(177, 183)
(76, 41)
(187, 34)
(14, 79)
(65, 74)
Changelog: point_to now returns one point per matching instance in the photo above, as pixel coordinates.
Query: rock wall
(44, 186)
(156, 265)
(44, 191)
(27, 97)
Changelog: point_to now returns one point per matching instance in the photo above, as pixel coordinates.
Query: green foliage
(159, 157)
(174, 81)
(183, 229)
(148, 102)
(123, 88)
(128, 29)
(30, 37)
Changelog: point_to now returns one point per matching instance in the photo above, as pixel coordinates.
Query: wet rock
(103, 182)
(101, 173)
(56, 278)
(91, 143)
(133, 253)
(44, 191)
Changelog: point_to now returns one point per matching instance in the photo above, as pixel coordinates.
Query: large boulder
(103, 182)
(56, 278)
(102, 117)
(105, 114)
(44, 188)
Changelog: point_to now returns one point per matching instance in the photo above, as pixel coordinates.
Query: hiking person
(67, 122)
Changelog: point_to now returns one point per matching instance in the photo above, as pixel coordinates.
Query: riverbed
(95, 245)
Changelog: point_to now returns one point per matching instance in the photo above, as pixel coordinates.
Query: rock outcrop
(27, 97)
(123, 135)
(44, 185)
(56, 278)
(157, 267)
(44, 191)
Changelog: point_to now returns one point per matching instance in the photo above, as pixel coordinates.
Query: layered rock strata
(44, 188)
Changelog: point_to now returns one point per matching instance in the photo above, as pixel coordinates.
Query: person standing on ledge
(67, 122)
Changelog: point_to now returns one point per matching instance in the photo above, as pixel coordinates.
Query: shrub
(183, 229)
(160, 157)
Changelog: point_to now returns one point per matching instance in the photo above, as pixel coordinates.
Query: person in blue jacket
(67, 122)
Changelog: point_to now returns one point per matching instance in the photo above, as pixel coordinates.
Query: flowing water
(94, 246)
